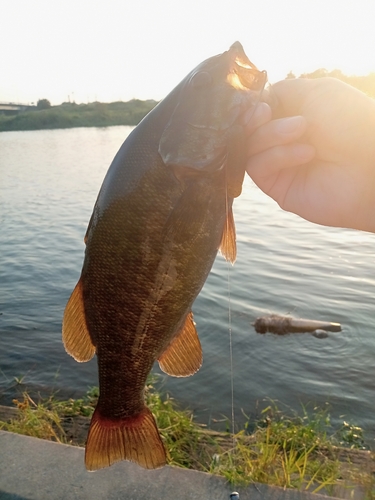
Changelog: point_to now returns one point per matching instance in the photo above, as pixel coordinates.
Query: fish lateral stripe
(134, 438)
(75, 334)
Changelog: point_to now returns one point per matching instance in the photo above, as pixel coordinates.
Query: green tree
(43, 104)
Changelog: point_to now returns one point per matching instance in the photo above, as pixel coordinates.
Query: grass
(283, 451)
(35, 420)
(291, 452)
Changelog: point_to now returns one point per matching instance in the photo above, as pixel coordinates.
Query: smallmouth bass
(162, 213)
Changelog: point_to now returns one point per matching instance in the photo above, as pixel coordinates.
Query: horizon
(31, 104)
(114, 51)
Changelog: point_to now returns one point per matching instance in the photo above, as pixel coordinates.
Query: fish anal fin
(133, 438)
(228, 247)
(76, 337)
(183, 356)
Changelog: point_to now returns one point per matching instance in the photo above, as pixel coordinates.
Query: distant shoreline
(70, 115)
(98, 114)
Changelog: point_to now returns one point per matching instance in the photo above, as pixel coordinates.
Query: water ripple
(49, 181)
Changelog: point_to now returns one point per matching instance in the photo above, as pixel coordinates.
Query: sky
(109, 50)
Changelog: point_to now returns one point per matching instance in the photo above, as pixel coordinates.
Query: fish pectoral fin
(183, 356)
(75, 334)
(133, 438)
(228, 247)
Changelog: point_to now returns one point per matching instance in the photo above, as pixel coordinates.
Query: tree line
(98, 114)
(67, 115)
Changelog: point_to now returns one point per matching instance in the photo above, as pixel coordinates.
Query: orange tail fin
(132, 438)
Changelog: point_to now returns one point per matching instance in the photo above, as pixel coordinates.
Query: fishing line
(230, 327)
(234, 495)
(230, 331)
(229, 290)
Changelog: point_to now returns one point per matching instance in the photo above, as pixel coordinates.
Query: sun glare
(100, 60)
(234, 80)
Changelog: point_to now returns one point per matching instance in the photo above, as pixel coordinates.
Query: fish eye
(201, 79)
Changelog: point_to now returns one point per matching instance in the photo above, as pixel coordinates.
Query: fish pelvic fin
(75, 334)
(228, 247)
(132, 438)
(183, 356)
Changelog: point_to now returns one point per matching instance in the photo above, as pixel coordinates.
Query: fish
(162, 213)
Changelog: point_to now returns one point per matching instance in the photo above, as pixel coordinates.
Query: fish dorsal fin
(183, 356)
(228, 247)
(76, 337)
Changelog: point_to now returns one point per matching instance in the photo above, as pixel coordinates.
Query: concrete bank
(34, 469)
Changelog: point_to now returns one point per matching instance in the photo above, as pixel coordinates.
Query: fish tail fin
(132, 438)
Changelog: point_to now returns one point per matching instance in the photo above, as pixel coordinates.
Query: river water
(49, 181)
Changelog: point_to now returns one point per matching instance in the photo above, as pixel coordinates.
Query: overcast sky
(109, 50)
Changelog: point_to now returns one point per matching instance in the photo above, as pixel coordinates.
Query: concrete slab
(34, 469)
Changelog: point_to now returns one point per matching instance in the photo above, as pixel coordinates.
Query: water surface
(49, 181)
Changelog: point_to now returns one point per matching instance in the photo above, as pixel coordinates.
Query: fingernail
(304, 151)
(289, 125)
(254, 115)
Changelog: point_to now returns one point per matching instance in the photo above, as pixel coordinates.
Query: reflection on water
(49, 181)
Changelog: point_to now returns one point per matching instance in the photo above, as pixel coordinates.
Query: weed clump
(290, 452)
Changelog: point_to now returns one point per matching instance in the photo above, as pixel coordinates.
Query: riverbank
(69, 115)
(297, 453)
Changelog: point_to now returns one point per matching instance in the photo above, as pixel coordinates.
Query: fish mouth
(243, 74)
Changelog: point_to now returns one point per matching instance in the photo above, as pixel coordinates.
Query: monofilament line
(231, 352)
(230, 332)
(229, 309)
(234, 495)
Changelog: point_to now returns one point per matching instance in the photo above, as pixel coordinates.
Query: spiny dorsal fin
(228, 247)
(133, 438)
(183, 356)
(76, 337)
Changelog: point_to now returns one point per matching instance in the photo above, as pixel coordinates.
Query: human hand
(316, 157)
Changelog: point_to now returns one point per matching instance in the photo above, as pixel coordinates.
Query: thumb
(287, 97)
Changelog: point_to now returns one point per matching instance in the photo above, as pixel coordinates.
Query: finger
(276, 133)
(256, 116)
(287, 97)
(263, 166)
